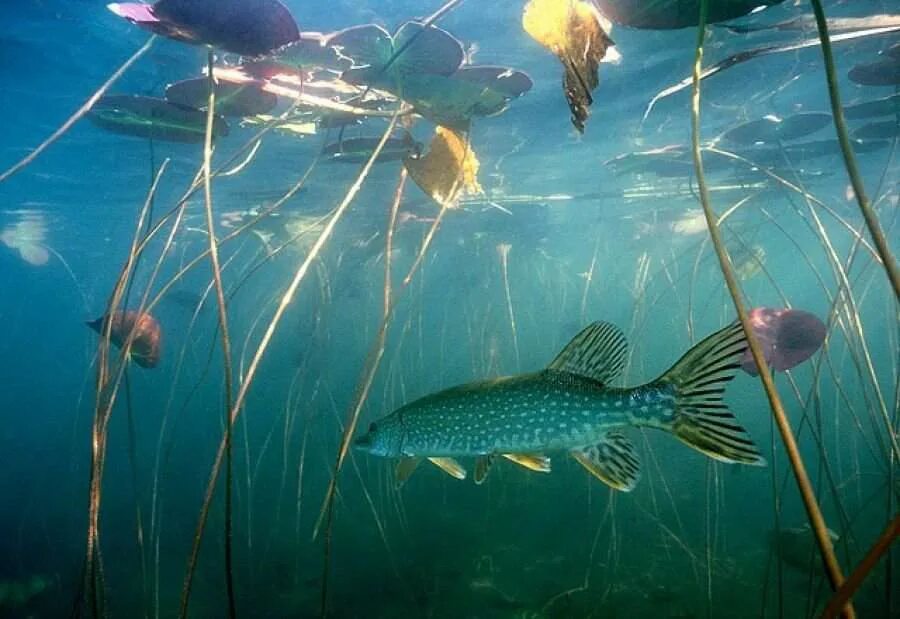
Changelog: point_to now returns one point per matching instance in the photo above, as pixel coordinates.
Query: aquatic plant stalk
(840, 125)
(881, 546)
(80, 112)
(807, 494)
(503, 250)
(223, 326)
(252, 368)
(103, 410)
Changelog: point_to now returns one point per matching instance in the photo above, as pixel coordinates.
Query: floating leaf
(880, 130)
(231, 99)
(449, 170)
(506, 81)
(576, 32)
(668, 14)
(886, 106)
(772, 129)
(450, 101)
(385, 61)
(359, 150)
(247, 27)
(294, 127)
(27, 237)
(882, 73)
(154, 118)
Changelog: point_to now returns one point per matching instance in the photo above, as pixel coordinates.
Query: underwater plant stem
(79, 113)
(223, 326)
(252, 368)
(813, 511)
(840, 124)
(856, 578)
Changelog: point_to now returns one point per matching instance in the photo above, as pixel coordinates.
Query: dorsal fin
(613, 461)
(598, 352)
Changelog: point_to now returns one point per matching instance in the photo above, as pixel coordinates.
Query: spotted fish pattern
(571, 406)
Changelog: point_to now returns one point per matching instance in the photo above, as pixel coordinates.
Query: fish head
(383, 438)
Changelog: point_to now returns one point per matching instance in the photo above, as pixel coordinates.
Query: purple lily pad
(788, 337)
(149, 117)
(508, 82)
(881, 73)
(246, 27)
(231, 99)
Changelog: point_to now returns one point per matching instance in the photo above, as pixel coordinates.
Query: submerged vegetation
(260, 306)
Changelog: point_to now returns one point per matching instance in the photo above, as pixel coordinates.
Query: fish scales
(545, 410)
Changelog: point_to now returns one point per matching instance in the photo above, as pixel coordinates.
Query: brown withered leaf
(576, 32)
(448, 170)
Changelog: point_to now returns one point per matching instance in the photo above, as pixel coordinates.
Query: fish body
(546, 411)
(571, 406)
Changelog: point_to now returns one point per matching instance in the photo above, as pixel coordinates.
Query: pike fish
(571, 406)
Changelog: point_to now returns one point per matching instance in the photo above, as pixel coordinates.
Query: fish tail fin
(701, 419)
(96, 325)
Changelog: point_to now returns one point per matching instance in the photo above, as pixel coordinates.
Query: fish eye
(372, 427)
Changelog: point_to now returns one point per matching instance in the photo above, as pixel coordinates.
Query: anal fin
(613, 461)
(449, 466)
(532, 462)
(482, 467)
(403, 470)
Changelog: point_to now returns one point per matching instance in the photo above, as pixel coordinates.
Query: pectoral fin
(405, 468)
(482, 467)
(449, 466)
(533, 462)
(613, 461)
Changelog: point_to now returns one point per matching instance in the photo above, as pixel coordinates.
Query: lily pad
(149, 117)
(669, 14)
(886, 106)
(246, 27)
(506, 81)
(772, 129)
(882, 73)
(450, 101)
(359, 150)
(384, 61)
(880, 130)
(231, 99)
(312, 49)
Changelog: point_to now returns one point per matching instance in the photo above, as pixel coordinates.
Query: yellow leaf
(576, 32)
(449, 170)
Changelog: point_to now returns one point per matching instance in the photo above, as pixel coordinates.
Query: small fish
(570, 406)
(145, 345)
